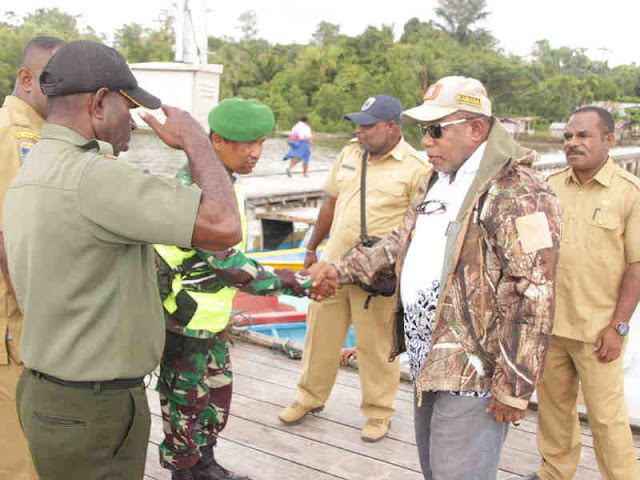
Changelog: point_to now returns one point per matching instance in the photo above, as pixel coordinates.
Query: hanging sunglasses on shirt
(431, 207)
(435, 129)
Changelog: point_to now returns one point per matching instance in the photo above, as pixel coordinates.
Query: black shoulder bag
(384, 281)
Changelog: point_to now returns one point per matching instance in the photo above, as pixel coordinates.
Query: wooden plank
(342, 407)
(346, 375)
(345, 437)
(238, 458)
(287, 377)
(327, 445)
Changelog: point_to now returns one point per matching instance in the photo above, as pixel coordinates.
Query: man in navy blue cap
(392, 171)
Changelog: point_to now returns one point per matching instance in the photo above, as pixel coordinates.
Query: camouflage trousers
(195, 395)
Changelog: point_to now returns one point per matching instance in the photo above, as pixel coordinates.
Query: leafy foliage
(335, 73)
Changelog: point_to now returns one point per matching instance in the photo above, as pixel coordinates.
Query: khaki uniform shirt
(19, 130)
(78, 223)
(600, 238)
(391, 184)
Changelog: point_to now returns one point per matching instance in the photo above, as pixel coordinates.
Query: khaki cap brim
(427, 113)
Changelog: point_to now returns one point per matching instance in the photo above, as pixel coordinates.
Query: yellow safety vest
(212, 309)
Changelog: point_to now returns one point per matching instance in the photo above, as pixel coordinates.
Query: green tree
(248, 25)
(326, 33)
(458, 16)
(139, 44)
(16, 31)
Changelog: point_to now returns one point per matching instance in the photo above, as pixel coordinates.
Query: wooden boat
(292, 258)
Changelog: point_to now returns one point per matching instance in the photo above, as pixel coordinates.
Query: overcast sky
(608, 29)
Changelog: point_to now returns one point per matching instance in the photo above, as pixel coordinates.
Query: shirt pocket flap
(604, 219)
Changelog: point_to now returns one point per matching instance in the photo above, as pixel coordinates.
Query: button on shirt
(600, 238)
(78, 223)
(422, 266)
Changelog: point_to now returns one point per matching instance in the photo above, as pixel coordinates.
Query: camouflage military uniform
(195, 382)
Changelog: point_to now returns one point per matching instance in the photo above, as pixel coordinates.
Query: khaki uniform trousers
(15, 459)
(568, 363)
(327, 326)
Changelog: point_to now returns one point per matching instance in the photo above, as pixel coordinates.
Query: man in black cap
(393, 171)
(78, 227)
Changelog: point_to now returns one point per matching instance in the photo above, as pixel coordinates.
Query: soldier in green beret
(195, 383)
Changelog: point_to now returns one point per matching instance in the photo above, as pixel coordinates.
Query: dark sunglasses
(435, 129)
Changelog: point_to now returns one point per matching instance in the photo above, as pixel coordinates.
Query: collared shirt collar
(397, 152)
(34, 118)
(603, 177)
(54, 131)
(472, 164)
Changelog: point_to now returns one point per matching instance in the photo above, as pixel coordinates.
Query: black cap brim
(142, 98)
(362, 118)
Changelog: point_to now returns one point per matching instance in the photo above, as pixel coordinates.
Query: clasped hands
(324, 277)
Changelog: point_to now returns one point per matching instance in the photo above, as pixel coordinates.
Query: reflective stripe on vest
(213, 309)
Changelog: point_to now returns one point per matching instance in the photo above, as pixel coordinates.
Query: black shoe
(209, 469)
(183, 474)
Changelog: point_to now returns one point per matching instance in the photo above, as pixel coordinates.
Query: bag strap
(364, 238)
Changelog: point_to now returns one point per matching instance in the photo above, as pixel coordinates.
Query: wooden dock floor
(327, 445)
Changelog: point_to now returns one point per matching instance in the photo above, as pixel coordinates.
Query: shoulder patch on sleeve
(25, 148)
(24, 134)
(533, 232)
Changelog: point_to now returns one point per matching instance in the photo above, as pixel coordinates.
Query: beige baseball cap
(449, 95)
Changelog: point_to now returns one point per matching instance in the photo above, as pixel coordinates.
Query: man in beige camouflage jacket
(476, 264)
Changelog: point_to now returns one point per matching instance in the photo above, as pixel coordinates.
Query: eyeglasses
(435, 129)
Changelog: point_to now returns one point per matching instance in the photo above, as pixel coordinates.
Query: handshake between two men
(324, 277)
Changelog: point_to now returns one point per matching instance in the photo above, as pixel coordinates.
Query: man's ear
(217, 141)
(27, 80)
(610, 138)
(98, 103)
(478, 129)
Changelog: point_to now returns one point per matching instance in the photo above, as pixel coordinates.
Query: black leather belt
(119, 383)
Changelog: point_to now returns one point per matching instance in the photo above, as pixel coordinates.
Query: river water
(147, 152)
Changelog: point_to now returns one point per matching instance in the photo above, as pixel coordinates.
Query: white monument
(191, 83)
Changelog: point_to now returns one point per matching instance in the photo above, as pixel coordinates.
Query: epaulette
(558, 172)
(630, 177)
(22, 134)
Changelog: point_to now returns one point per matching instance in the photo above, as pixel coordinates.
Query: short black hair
(304, 119)
(606, 119)
(41, 42)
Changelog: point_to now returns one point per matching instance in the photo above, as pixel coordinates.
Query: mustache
(574, 150)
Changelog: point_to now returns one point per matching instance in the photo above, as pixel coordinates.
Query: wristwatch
(621, 327)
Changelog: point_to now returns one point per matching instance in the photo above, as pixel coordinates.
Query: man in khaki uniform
(598, 289)
(21, 118)
(393, 172)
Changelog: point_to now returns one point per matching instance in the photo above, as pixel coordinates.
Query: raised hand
(178, 127)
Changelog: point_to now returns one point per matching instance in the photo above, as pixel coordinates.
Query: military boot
(208, 469)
